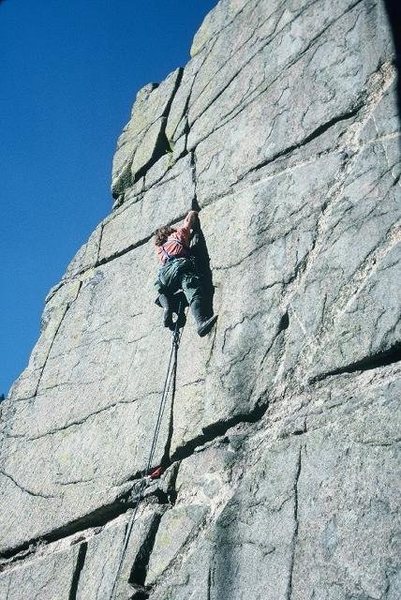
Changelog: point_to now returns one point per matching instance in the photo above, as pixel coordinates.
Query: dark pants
(176, 274)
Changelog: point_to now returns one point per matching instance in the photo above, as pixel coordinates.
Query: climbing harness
(156, 472)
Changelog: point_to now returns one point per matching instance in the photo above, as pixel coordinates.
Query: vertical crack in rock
(166, 454)
(209, 584)
(100, 243)
(140, 567)
(172, 489)
(393, 9)
(161, 148)
(49, 351)
(8, 587)
(296, 525)
(211, 350)
(280, 341)
(162, 144)
(78, 569)
(283, 324)
(185, 110)
(67, 308)
(397, 180)
(195, 204)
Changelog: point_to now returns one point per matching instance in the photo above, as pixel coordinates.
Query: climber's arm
(183, 232)
(190, 219)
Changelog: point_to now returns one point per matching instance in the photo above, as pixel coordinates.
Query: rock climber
(178, 272)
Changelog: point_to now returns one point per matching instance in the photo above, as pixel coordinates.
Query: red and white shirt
(177, 243)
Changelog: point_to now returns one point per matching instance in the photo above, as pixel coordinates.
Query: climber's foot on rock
(205, 326)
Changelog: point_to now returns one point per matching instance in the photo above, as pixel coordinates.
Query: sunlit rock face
(282, 445)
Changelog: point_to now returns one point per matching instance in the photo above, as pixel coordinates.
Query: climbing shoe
(205, 326)
(203, 323)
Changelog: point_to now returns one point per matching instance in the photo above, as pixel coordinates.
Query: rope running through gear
(170, 377)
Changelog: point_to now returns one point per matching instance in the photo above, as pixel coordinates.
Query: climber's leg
(167, 311)
(203, 323)
(181, 316)
(194, 294)
(179, 304)
(167, 285)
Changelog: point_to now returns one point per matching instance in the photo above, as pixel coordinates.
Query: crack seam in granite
(209, 583)
(391, 167)
(162, 133)
(260, 49)
(104, 514)
(82, 421)
(195, 205)
(35, 393)
(125, 171)
(184, 113)
(384, 76)
(355, 285)
(374, 361)
(24, 489)
(140, 564)
(42, 369)
(102, 226)
(78, 570)
(316, 133)
(216, 430)
(232, 114)
(296, 525)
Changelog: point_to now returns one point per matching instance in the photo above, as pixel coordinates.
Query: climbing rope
(170, 377)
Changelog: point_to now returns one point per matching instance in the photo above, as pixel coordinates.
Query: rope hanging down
(170, 377)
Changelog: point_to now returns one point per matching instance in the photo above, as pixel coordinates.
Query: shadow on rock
(226, 563)
(202, 261)
(393, 8)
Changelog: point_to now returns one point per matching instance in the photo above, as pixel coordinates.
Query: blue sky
(69, 74)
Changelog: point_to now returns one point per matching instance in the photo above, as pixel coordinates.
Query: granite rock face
(282, 445)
